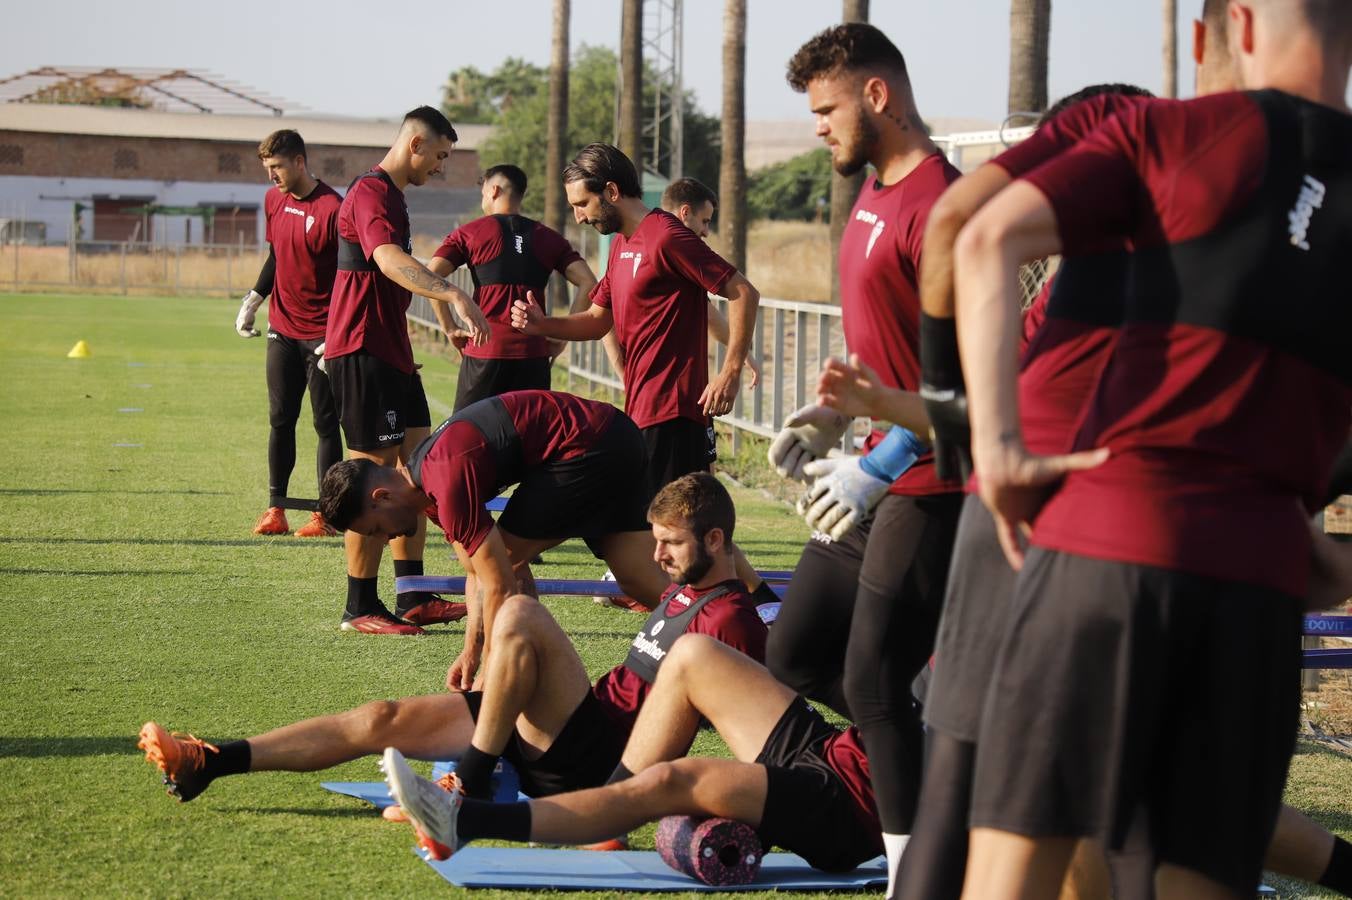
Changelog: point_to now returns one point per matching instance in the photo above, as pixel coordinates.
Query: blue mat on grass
(377, 793)
(539, 868)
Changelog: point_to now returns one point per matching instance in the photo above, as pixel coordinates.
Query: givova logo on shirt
(1310, 198)
(878, 224)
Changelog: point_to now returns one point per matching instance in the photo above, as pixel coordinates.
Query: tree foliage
(515, 98)
(798, 188)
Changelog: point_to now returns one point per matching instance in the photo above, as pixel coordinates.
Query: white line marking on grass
(130, 409)
(128, 445)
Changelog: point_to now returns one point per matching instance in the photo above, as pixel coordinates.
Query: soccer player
(655, 295)
(579, 469)
(537, 709)
(508, 255)
(802, 784)
(375, 382)
(302, 236)
(859, 618)
(694, 204)
(1184, 612)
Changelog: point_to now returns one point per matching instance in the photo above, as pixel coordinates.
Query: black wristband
(940, 366)
(263, 286)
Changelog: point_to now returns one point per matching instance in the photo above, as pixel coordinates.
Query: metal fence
(790, 343)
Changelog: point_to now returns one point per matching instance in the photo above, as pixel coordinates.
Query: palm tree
(555, 205)
(631, 82)
(1030, 23)
(732, 171)
(844, 189)
(1170, 86)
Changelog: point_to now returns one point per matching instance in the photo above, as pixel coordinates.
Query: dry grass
(790, 260)
(216, 270)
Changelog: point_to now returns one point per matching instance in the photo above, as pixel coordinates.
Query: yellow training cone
(79, 351)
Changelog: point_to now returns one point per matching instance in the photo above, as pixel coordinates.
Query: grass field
(135, 591)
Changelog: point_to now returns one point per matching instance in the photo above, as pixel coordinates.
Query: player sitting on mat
(538, 709)
(800, 783)
(579, 467)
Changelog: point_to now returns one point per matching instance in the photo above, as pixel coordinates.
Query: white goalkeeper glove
(808, 434)
(319, 352)
(842, 495)
(248, 308)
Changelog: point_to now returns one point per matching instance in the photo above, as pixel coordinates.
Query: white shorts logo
(391, 417)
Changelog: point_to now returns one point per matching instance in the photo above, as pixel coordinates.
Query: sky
(343, 57)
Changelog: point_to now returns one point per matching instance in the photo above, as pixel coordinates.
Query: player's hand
(720, 393)
(808, 434)
(460, 677)
(248, 308)
(473, 317)
(319, 354)
(842, 495)
(755, 370)
(527, 316)
(1015, 484)
(851, 387)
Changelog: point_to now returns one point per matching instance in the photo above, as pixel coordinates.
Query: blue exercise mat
(565, 587)
(539, 868)
(377, 793)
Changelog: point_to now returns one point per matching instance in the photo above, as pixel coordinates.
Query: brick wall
(191, 159)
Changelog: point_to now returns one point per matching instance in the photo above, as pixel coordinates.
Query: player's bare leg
(1006, 866)
(629, 555)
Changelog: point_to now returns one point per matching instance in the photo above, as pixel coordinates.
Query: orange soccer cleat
(272, 522)
(316, 527)
(181, 757)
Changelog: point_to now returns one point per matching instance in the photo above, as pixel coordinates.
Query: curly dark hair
(342, 496)
(852, 46)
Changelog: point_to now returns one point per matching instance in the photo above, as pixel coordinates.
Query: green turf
(135, 591)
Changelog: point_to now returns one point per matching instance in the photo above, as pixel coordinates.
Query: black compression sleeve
(264, 285)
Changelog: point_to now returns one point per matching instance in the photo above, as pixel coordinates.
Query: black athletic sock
(406, 600)
(1338, 875)
(281, 460)
(362, 597)
(234, 758)
(620, 774)
(493, 821)
(475, 771)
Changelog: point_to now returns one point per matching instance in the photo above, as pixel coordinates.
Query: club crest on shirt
(878, 224)
(636, 257)
(392, 417)
(309, 223)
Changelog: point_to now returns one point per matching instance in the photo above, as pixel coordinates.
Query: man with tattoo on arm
(379, 395)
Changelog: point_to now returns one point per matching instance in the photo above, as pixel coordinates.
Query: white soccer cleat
(431, 808)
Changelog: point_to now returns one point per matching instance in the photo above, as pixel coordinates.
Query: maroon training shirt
(879, 266)
(731, 619)
(368, 310)
(1225, 399)
(657, 285)
(464, 468)
(304, 238)
(481, 242)
(1065, 350)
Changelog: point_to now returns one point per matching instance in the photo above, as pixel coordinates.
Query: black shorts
(376, 402)
(676, 447)
(808, 809)
(480, 379)
(602, 492)
(977, 605)
(584, 755)
(1123, 687)
(292, 367)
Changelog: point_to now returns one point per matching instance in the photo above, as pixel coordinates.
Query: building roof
(173, 90)
(151, 123)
